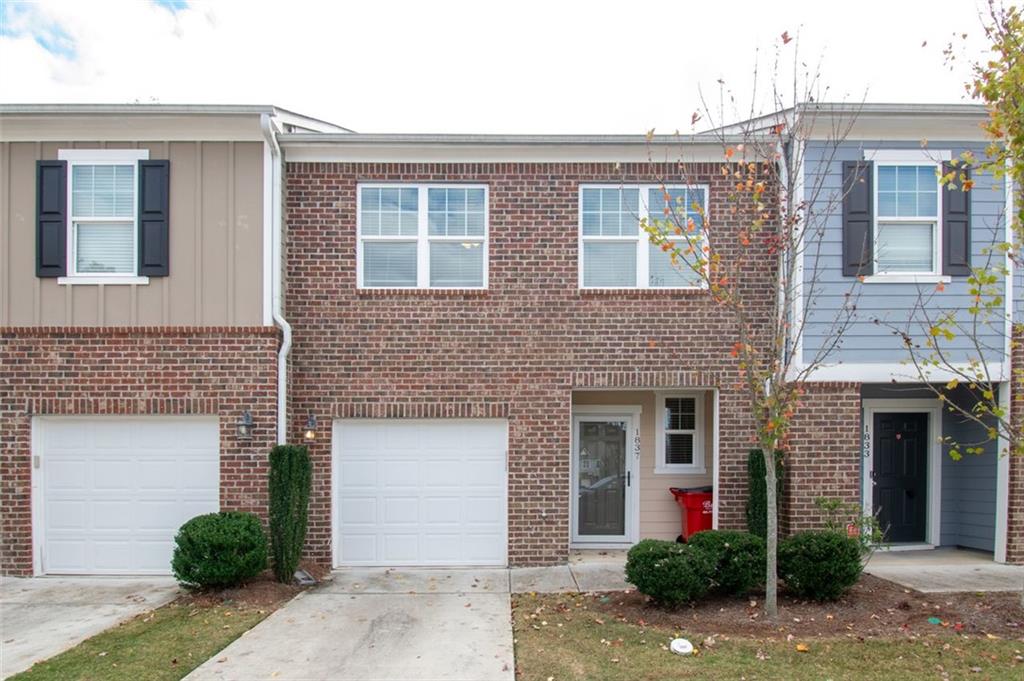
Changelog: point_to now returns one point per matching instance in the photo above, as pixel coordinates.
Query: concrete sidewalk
(944, 570)
(43, 616)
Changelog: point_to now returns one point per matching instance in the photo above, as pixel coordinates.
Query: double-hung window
(680, 445)
(907, 222)
(616, 253)
(103, 213)
(422, 236)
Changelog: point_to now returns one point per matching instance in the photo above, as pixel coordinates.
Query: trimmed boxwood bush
(739, 558)
(820, 565)
(219, 550)
(290, 474)
(668, 572)
(757, 491)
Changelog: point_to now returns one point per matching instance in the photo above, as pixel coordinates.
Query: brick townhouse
(489, 362)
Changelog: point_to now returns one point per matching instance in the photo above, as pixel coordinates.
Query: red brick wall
(1015, 505)
(520, 347)
(824, 454)
(158, 370)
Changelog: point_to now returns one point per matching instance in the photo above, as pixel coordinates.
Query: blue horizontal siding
(968, 486)
(827, 290)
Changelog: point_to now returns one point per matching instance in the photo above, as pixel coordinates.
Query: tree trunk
(771, 582)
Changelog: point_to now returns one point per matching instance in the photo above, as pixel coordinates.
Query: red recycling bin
(697, 506)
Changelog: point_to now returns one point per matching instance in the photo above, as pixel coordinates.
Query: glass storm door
(603, 478)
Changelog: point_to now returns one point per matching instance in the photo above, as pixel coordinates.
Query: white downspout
(276, 264)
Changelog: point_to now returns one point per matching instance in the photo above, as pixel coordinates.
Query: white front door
(111, 492)
(420, 492)
(605, 454)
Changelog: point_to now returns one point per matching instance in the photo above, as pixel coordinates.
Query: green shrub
(739, 558)
(290, 475)
(820, 565)
(757, 491)
(219, 550)
(668, 572)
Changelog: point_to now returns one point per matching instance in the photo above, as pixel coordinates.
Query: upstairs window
(907, 220)
(616, 253)
(422, 236)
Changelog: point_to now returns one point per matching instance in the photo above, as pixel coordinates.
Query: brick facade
(1015, 500)
(139, 371)
(517, 350)
(824, 456)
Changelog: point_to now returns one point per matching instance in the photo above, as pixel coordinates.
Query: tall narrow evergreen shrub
(757, 491)
(290, 475)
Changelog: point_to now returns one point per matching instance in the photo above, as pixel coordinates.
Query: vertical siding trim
(5, 233)
(231, 232)
(165, 283)
(199, 234)
(37, 294)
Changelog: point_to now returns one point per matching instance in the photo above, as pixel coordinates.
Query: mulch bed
(873, 608)
(263, 591)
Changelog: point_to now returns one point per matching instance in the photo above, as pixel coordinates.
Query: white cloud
(523, 66)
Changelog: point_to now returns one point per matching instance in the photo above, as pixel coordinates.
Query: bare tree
(772, 210)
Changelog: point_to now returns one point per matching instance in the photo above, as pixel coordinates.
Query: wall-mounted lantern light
(245, 426)
(311, 427)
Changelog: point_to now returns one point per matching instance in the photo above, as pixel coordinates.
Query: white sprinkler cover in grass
(680, 646)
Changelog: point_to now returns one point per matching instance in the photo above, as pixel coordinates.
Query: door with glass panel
(604, 478)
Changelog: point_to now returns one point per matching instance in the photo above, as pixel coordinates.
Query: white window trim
(907, 157)
(642, 240)
(423, 238)
(698, 467)
(95, 157)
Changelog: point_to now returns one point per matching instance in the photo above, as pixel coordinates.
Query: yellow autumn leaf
(802, 648)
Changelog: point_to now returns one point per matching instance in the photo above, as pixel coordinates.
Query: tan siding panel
(216, 243)
(659, 514)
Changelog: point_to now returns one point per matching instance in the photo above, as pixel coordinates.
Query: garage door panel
(399, 474)
(109, 473)
(442, 510)
(427, 492)
(116, 490)
(401, 548)
(354, 474)
(401, 510)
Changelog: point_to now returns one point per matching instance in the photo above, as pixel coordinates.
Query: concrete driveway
(377, 624)
(43, 616)
(945, 569)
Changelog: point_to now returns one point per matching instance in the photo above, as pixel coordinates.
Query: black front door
(901, 475)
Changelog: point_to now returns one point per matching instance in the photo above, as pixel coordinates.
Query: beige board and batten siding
(216, 242)
(659, 514)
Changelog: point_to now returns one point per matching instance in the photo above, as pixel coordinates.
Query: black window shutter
(51, 218)
(858, 218)
(154, 218)
(956, 224)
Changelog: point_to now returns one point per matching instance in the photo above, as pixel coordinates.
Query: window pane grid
(102, 191)
(438, 241)
(907, 191)
(611, 211)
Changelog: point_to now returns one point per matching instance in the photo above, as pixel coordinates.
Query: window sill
(639, 292)
(429, 292)
(681, 470)
(907, 279)
(109, 281)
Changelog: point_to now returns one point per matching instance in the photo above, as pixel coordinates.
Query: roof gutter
(275, 261)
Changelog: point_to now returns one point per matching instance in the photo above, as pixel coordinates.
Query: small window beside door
(680, 441)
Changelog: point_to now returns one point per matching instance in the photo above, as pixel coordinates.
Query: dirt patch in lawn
(873, 608)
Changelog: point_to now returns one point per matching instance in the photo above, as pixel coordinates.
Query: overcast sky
(432, 66)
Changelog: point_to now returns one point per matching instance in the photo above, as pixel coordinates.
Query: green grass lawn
(164, 644)
(557, 646)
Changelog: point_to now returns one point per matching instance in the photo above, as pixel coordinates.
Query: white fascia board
(887, 373)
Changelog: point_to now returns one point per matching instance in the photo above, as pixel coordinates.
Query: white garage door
(114, 491)
(429, 492)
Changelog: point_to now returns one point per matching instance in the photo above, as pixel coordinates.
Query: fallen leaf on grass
(802, 648)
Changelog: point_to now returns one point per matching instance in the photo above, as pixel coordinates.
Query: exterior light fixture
(245, 426)
(311, 427)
